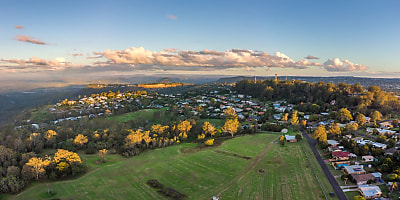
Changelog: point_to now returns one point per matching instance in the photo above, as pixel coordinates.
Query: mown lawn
(199, 174)
(151, 115)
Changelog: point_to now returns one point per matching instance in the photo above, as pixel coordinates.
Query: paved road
(339, 192)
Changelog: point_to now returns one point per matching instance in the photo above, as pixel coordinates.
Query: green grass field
(199, 174)
(152, 115)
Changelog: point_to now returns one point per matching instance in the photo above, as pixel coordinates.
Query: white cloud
(35, 61)
(337, 65)
(25, 38)
(173, 59)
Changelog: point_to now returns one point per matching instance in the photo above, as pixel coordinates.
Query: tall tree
(334, 129)
(230, 113)
(360, 119)
(184, 128)
(37, 165)
(80, 140)
(295, 119)
(320, 133)
(231, 126)
(376, 116)
(345, 115)
(208, 129)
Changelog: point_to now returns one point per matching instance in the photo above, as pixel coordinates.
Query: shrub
(155, 183)
(169, 192)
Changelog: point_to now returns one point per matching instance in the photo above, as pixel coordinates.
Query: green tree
(345, 115)
(359, 197)
(298, 137)
(231, 126)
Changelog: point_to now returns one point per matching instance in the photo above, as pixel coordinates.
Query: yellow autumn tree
(102, 154)
(136, 137)
(80, 140)
(209, 142)
(201, 136)
(34, 138)
(231, 126)
(63, 155)
(184, 128)
(50, 134)
(208, 129)
(37, 165)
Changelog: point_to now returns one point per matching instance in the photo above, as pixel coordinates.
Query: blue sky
(360, 38)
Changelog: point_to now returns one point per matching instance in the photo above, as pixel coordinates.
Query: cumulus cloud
(35, 61)
(311, 57)
(337, 65)
(25, 38)
(173, 17)
(172, 59)
(19, 27)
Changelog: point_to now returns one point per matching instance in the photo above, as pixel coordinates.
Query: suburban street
(339, 192)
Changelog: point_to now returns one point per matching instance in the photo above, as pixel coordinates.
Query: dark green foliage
(155, 183)
(173, 194)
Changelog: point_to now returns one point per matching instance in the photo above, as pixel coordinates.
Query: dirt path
(248, 169)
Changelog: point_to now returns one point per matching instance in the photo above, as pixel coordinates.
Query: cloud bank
(172, 59)
(25, 38)
(337, 65)
(35, 61)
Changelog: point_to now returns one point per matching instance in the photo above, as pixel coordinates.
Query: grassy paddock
(199, 175)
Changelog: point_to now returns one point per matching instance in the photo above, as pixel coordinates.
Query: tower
(276, 77)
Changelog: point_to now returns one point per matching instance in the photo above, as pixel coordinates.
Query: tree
(102, 154)
(359, 197)
(136, 137)
(376, 116)
(295, 119)
(184, 128)
(345, 115)
(37, 165)
(209, 142)
(230, 113)
(320, 134)
(231, 126)
(208, 129)
(80, 140)
(360, 119)
(282, 139)
(285, 117)
(298, 137)
(334, 129)
(351, 128)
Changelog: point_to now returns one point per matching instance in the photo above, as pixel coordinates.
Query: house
(379, 145)
(333, 143)
(367, 158)
(390, 151)
(370, 191)
(362, 179)
(290, 138)
(386, 124)
(377, 177)
(354, 169)
(385, 131)
(341, 155)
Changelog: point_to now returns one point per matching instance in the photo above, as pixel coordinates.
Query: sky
(60, 40)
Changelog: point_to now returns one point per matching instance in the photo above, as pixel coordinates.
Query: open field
(199, 175)
(151, 115)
